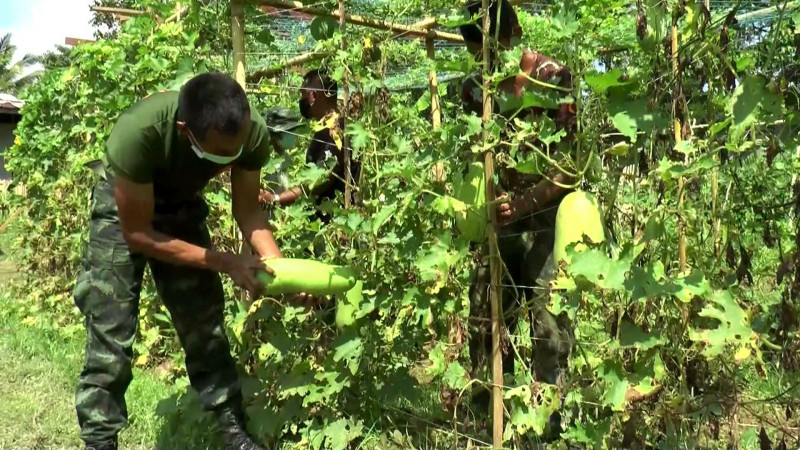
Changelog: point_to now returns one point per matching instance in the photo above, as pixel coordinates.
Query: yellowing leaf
(141, 360)
(742, 354)
(367, 43)
(301, 39)
(619, 149)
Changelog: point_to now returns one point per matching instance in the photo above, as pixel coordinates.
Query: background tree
(13, 76)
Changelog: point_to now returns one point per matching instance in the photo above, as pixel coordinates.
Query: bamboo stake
(715, 221)
(316, 56)
(348, 175)
(436, 112)
(118, 11)
(360, 20)
(677, 125)
(494, 252)
(237, 36)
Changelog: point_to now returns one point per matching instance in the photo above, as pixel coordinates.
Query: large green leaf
(630, 335)
(323, 28)
(632, 116)
(732, 332)
(752, 101)
(600, 82)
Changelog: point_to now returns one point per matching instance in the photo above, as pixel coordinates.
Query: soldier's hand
(242, 270)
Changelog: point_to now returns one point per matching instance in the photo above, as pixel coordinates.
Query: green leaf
(752, 101)
(349, 347)
(631, 116)
(323, 28)
(455, 376)
(630, 335)
(438, 361)
(615, 385)
(670, 170)
(265, 37)
(341, 433)
(595, 266)
(600, 82)
(733, 331)
(654, 229)
(359, 136)
(448, 205)
(424, 102)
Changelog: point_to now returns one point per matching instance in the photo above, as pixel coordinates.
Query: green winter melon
(304, 275)
(579, 214)
(348, 306)
(471, 190)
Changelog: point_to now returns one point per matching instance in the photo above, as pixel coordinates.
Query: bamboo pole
(118, 11)
(237, 34)
(238, 38)
(494, 252)
(360, 20)
(316, 56)
(678, 139)
(439, 174)
(348, 175)
(436, 112)
(715, 222)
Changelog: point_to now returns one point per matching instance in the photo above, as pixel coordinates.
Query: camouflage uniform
(107, 293)
(526, 250)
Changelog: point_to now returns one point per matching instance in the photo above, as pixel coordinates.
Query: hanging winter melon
(578, 215)
(471, 189)
(304, 275)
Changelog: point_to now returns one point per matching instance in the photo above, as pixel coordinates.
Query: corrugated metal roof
(9, 103)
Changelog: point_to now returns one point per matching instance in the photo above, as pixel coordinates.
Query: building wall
(6, 140)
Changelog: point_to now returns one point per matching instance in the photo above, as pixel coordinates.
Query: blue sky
(38, 25)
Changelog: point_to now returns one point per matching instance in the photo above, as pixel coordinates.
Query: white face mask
(217, 159)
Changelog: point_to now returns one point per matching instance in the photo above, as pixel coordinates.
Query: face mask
(216, 159)
(305, 107)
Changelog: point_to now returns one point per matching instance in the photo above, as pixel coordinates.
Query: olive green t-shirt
(145, 147)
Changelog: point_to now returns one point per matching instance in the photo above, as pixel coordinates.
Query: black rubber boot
(106, 445)
(232, 428)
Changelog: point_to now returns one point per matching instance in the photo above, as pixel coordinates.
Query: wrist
(218, 261)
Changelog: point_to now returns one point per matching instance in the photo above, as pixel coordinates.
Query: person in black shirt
(318, 102)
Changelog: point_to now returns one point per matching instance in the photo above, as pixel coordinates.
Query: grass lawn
(38, 372)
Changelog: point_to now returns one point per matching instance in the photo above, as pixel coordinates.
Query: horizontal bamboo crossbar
(361, 20)
(122, 12)
(316, 56)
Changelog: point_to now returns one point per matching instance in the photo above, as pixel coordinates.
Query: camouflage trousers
(107, 294)
(526, 249)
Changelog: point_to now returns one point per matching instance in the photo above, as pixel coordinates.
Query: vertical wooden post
(436, 112)
(348, 175)
(494, 252)
(715, 172)
(239, 74)
(677, 125)
(237, 32)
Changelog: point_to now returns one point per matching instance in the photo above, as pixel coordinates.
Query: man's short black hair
(213, 101)
(320, 77)
(508, 20)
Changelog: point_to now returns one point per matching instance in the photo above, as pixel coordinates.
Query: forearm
(543, 194)
(256, 230)
(290, 196)
(166, 248)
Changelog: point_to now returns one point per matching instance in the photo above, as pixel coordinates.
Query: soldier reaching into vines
(527, 215)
